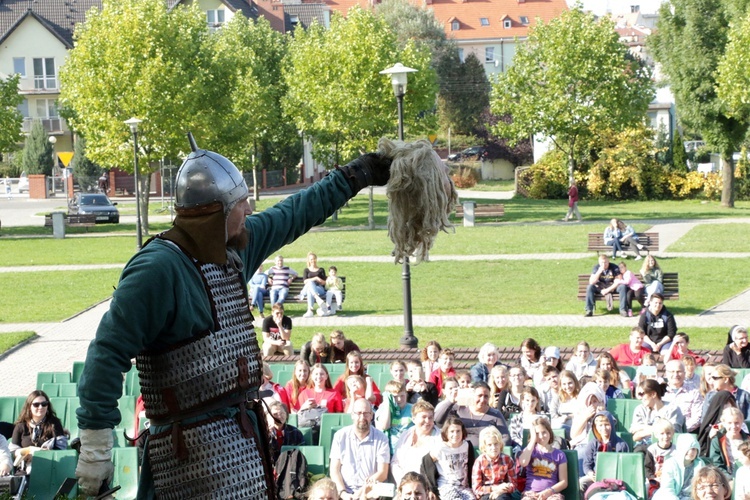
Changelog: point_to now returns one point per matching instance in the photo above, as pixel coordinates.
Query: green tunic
(161, 299)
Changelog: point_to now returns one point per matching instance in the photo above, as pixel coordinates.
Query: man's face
(681, 345)
(675, 374)
(655, 305)
(582, 352)
(664, 438)
(279, 261)
(362, 415)
(236, 233)
(278, 315)
(397, 372)
(553, 380)
(636, 340)
(415, 372)
(603, 261)
(481, 400)
(279, 414)
(400, 399)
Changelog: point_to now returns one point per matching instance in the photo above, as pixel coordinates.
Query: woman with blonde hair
(498, 382)
(299, 382)
(562, 414)
(488, 358)
(355, 366)
(653, 278)
(315, 287)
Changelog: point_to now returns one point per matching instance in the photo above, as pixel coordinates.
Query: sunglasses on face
(43, 404)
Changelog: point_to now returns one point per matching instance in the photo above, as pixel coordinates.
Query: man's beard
(239, 241)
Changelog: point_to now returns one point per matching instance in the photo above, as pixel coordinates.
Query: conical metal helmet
(206, 177)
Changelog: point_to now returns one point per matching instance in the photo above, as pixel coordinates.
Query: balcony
(38, 85)
(51, 125)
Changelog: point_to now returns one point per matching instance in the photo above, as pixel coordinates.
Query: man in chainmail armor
(181, 310)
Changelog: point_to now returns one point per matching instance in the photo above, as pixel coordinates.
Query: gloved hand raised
(371, 169)
(95, 462)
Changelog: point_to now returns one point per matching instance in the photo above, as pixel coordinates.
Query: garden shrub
(465, 177)
(547, 178)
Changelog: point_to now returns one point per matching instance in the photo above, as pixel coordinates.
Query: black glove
(371, 169)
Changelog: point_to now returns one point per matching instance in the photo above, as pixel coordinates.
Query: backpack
(604, 486)
(291, 475)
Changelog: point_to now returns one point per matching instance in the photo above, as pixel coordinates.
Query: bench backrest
(670, 282)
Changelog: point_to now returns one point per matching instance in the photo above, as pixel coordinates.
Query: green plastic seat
(315, 458)
(132, 385)
(283, 377)
(627, 467)
(69, 390)
(52, 377)
(49, 469)
(51, 389)
(307, 433)
(125, 461)
(71, 419)
(76, 372)
(326, 441)
(126, 405)
(630, 370)
(60, 405)
(292, 419)
(8, 412)
(572, 492)
(623, 409)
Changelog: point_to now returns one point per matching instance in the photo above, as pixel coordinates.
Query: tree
(85, 171)
(464, 93)
(136, 58)
(570, 80)
(690, 40)
(10, 117)
(679, 157)
(37, 151)
(336, 92)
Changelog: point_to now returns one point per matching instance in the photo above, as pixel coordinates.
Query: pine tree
(37, 151)
(85, 171)
(679, 157)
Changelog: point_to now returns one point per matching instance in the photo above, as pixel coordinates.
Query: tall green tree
(464, 93)
(690, 40)
(10, 117)
(570, 80)
(336, 92)
(37, 151)
(136, 58)
(679, 156)
(84, 170)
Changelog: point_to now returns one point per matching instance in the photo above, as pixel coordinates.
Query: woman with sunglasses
(37, 428)
(722, 378)
(652, 408)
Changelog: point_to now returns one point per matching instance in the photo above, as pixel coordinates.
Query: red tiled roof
(470, 12)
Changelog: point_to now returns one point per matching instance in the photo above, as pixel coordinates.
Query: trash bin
(58, 224)
(469, 207)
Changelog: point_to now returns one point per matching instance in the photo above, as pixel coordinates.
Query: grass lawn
(12, 339)
(494, 186)
(367, 337)
(714, 238)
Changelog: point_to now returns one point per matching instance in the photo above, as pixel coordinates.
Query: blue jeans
(310, 290)
(591, 296)
(256, 297)
(278, 295)
(616, 245)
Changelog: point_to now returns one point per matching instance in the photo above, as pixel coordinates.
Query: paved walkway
(58, 345)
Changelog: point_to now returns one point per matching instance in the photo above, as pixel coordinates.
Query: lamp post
(399, 75)
(53, 140)
(133, 124)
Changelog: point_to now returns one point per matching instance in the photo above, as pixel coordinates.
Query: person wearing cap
(550, 357)
(181, 310)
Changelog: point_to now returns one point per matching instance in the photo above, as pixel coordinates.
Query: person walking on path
(573, 203)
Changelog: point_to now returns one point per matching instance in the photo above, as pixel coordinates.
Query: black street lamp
(133, 124)
(399, 76)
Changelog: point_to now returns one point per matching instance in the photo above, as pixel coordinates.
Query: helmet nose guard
(206, 177)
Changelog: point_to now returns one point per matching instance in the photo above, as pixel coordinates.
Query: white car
(23, 183)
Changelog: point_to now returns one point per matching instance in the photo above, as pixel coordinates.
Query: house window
(461, 55)
(489, 54)
(506, 24)
(44, 73)
(46, 108)
(455, 26)
(19, 66)
(23, 108)
(635, 8)
(215, 17)
(524, 20)
(484, 21)
(294, 20)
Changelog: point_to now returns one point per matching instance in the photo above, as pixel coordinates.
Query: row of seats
(51, 468)
(66, 383)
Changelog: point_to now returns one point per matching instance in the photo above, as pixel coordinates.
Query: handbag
(310, 417)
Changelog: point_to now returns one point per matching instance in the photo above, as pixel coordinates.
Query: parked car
(474, 151)
(99, 204)
(23, 183)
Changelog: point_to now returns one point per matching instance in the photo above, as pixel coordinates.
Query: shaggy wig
(420, 198)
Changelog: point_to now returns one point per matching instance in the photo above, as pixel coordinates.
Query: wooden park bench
(77, 220)
(483, 210)
(296, 288)
(648, 240)
(671, 287)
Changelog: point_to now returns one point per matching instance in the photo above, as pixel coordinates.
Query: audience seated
(393, 417)
(562, 414)
(340, 347)
(258, 289)
(605, 440)
(447, 467)
(355, 366)
(429, 355)
(725, 444)
(659, 325)
(6, 460)
(299, 382)
(723, 379)
(356, 387)
(602, 280)
(444, 370)
(631, 354)
(590, 401)
(413, 486)
(688, 400)
(398, 370)
(661, 448)
(314, 289)
(680, 349)
(488, 358)
(493, 474)
(475, 416)
(531, 360)
(549, 388)
(509, 400)
(709, 483)
(530, 409)
(37, 428)
(692, 377)
(607, 381)
(278, 393)
(737, 351)
(316, 350)
(359, 453)
(319, 393)
(415, 442)
(711, 418)
(281, 277)
(546, 468)
(742, 478)
(277, 333)
(583, 362)
(679, 469)
(651, 410)
(607, 362)
(498, 382)
(417, 387)
(279, 432)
